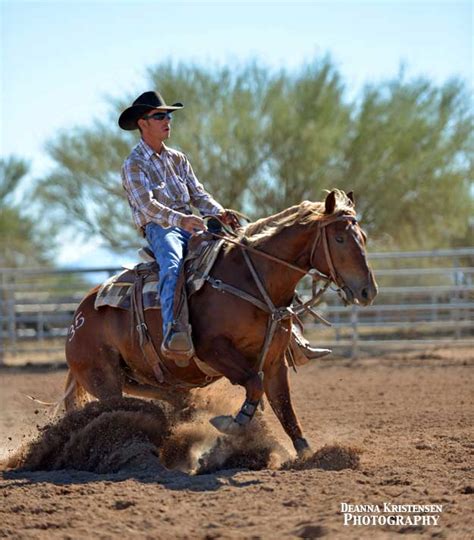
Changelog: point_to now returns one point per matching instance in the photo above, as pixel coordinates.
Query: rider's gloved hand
(193, 224)
(230, 219)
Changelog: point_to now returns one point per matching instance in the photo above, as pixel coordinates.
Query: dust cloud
(133, 435)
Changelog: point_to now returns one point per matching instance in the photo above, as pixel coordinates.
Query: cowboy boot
(177, 342)
(301, 349)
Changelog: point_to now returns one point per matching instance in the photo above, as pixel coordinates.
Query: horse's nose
(370, 292)
(365, 297)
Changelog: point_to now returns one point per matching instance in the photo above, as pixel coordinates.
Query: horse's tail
(69, 398)
(75, 396)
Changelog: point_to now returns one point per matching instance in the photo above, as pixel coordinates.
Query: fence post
(11, 314)
(355, 332)
(3, 318)
(40, 325)
(457, 299)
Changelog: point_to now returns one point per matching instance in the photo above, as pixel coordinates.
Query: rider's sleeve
(200, 198)
(138, 189)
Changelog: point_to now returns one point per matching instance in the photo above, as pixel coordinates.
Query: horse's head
(341, 250)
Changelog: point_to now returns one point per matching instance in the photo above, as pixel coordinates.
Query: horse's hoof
(227, 425)
(303, 449)
(306, 453)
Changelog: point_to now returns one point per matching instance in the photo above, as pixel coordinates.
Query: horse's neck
(289, 245)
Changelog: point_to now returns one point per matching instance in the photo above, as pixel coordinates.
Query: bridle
(322, 235)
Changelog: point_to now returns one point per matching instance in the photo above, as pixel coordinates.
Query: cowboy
(161, 188)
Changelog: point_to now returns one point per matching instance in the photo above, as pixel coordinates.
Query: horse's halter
(323, 235)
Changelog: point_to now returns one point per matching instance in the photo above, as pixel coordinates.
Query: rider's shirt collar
(149, 152)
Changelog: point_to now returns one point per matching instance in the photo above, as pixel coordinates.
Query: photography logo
(389, 514)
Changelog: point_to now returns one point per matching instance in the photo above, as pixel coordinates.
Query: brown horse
(229, 332)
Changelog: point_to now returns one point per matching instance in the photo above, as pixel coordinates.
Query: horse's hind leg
(94, 362)
(96, 371)
(102, 378)
(75, 395)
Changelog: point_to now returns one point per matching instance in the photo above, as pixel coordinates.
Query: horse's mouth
(350, 298)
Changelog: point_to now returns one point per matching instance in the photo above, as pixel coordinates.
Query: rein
(313, 272)
(268, 256)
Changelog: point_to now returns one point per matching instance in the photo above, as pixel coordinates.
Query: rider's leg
(169, 247)
(301, 349)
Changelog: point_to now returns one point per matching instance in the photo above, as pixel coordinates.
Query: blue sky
(61, 60)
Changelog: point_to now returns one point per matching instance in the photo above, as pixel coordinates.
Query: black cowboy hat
(146, 102)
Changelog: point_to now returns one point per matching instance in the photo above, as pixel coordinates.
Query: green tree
(262, 140)
(306, 123)
(84, 189)
(409, 156)
(22, 242)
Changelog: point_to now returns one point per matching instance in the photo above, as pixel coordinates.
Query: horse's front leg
(226, 359)
(277, 389)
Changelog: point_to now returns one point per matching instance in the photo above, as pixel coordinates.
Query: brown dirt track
(409, 417)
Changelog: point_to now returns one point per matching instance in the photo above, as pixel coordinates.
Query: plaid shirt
(162, 187)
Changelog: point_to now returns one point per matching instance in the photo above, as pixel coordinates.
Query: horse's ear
(330, 202)
(350, 196)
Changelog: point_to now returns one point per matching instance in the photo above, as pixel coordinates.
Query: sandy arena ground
(409, 417)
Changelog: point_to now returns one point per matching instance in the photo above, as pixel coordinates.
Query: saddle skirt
(117, 290)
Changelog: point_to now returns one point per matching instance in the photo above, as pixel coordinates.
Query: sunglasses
(158, 116)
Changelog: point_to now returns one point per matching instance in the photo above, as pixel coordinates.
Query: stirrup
(177, 345)
(311, 353)
(301, 350)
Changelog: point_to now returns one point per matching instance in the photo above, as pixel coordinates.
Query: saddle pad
(116, 291)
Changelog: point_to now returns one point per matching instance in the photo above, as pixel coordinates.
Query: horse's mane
(304, 213)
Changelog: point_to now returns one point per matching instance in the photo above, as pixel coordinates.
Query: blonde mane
(304, 213)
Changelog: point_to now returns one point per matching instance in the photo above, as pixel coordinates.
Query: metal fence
(425, 299)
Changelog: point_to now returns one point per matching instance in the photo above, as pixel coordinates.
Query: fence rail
(426, 298)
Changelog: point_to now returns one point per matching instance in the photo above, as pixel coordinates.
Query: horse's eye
(340, 239)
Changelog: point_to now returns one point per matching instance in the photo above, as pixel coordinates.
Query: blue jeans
(169, 247)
